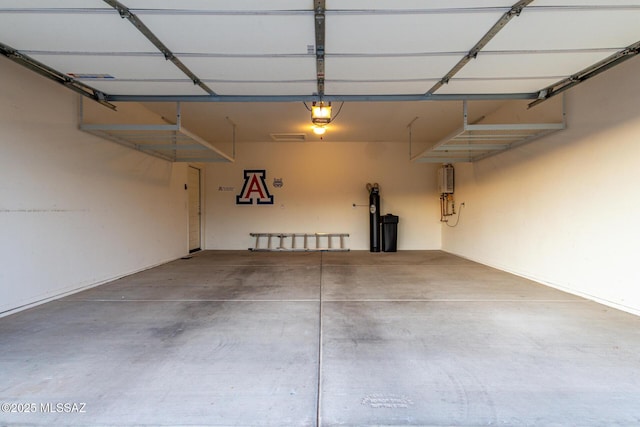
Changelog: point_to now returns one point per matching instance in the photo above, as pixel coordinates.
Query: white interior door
(193, 186)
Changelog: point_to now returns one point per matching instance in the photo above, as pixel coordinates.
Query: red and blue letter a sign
(254, 189)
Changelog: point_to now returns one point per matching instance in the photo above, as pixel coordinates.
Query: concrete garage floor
(289, 339)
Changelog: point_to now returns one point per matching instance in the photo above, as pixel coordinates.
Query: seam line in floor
(329, 300)
(319, 391)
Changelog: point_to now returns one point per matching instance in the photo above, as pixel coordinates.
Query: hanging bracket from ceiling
(410, 127)
(125, 12)
(473, 142)
(170, 141)
(515, 10)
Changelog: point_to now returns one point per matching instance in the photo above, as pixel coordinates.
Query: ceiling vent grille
(289, 137)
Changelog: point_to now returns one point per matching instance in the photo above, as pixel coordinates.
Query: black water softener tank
(374, 217)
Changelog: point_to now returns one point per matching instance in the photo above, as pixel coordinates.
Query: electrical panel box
(446, 179)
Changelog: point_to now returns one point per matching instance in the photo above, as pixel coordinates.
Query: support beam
(56, 76)
(444, 160)
(592, 71)
(169, 56)
(328, 98)
(170, 147)
(515, 10)
(320, 9)
(472, 147)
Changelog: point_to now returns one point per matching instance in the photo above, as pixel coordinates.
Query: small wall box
(446, 179)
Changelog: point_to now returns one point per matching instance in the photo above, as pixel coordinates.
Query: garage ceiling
(252, 63)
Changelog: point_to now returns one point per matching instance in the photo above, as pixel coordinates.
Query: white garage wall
(564, 210)
(322, 181)
(75, 210)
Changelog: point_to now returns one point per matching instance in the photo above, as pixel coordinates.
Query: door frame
(200, 208)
